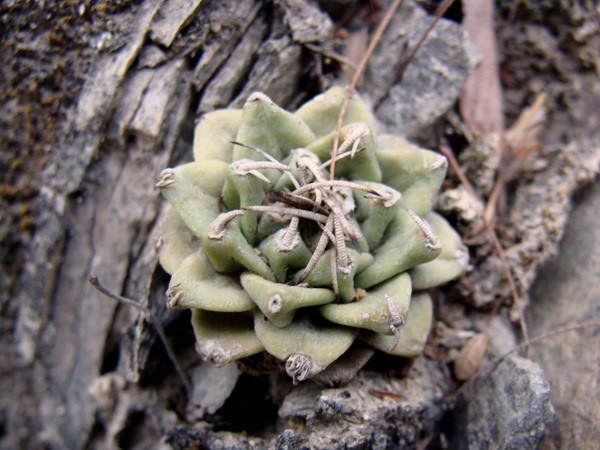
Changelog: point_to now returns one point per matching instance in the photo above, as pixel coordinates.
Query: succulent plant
(271, 253)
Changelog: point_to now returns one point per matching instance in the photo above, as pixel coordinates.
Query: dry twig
(442, 10)
(447, 152)
(93, 280)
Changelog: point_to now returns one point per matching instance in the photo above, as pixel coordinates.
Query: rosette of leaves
(273, 253)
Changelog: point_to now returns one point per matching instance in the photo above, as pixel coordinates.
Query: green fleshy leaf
(224, 337)
(406, 246)
(194, 193)
(321, 113)
(279, 302)
(307, 345)
(196, 284)
(232, 252)
(177, 242)
(452, 262)
(413, 335)
(250, 191)
(375, 216)
(372, 311)
(214, 133)
(269, 224)
(415, 172)
(321, 274)
(271, 129)
(280, 260)
(364, 165)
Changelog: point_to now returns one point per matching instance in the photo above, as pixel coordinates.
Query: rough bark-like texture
(100, 96)
(98, 208)
(570, 141)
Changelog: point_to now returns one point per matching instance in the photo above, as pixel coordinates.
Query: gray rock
(288, 440)
(305, 21)
(565, 294)
(151, 56)
(431, 83)
(505, 409)
(212, 387)
(172, 16)
(276, 72)
(229, 20)
(220, 90)
(354, 416)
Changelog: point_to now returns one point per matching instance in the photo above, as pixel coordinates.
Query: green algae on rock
(271, 253)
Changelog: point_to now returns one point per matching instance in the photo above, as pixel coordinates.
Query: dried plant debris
(285, 244)
(537, 218)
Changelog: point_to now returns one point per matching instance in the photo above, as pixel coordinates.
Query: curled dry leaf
(523, 138)
(469, 358)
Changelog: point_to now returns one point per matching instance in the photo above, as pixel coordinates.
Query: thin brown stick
(549, 334)
(489, 368)
(93, 280)
(361, 67)
(393, 395)
(448, 153)
(414, 51)
(330, 54)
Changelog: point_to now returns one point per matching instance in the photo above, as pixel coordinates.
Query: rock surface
(505, 409)
(432, 81)
(566, 293)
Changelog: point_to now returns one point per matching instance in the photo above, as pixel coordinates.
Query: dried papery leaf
(522, 140)
(468, 361)
(481, 99)
(356, 46)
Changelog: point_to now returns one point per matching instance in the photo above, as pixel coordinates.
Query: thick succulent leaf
(364, 165)
(232, 252)
(372, 311)
(321, 113)
(374, 216)
(452, 262)
(280, 260)
(409, 242)
(214, 133)
(415, 172)
(279, 302)
(270, 223)
(250, 191)
(345, 368)
(271, 129)
(321, 274)
(307, 345)
(196, 284)
(194, 193)
(224, 337)
(177, 242)
(413, 335)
